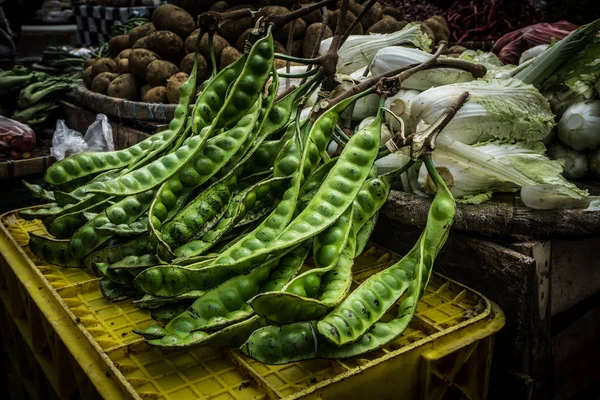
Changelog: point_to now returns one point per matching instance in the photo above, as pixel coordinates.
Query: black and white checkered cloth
(94, 22)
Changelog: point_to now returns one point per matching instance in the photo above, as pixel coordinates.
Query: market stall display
(243, 222)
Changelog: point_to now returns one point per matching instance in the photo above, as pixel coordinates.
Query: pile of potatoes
(154, 60)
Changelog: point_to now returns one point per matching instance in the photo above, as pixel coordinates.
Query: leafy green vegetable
(497, 109)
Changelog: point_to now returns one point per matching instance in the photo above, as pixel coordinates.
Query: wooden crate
(540, 267)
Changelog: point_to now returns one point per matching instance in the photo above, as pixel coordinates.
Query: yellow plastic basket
(60, 324)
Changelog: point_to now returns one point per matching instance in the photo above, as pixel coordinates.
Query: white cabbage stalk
(488, 60)
(399, 104)
(575, 164)
(364, 107)
(391, 162)
(472, 170)
(305, 113)
(284, 83)
(532, 52)
(358, 50)
(579, 126)
(496, 109)
(386, 134)
(394, 57)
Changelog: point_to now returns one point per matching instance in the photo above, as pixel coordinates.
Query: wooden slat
(576, 356)
(121, 108)
(502, 218)
(575, 272)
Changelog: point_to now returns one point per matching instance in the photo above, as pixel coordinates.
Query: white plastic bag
(67, 142)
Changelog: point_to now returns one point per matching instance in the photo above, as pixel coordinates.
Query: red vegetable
(481, 20)
(16, 139)
(510, 46)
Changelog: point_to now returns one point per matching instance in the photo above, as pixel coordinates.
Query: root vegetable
(190, 42)
(124, 87)
(175, 19)
(123, 66)
(139, 59)
(203, 68)
(117, 44)
(350, 17)
(166, 44)
(231, 30)
(140, 32)
(124, 54)
(219, 43)
(87, 76)
(311, 36)
(173, 86)
(155, 95)
(144, 89)
(387, 25)
(101, 82)
(228, 56)
(103, 65)
(159, 71)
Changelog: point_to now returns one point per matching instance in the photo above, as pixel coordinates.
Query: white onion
(575, 163)
(399, 105)
(579, 127)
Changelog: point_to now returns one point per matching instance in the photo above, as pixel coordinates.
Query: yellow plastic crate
(59, 321)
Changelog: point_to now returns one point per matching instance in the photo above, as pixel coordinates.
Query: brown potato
(427, 30)
(103, 65)
(117, 44)
(297, 47)
(228, 56)
(278, 47)
(350, 17)
(231, 30)
(101, 82)
(89, 63)
(313, 17)
(386, 25)
(87, 76)
(241, 42)
(156, 95)
(440, 31)
(187, 64)
(124, 54)
(144, 89)
(219, 43)
(166, 44)
(219, 6)
(397, 13)
(159, 71)
(173, 86)
(190, 42)
(311, 36)
(299, 29)
(141, 43)
(123, 66)
(140, 31)
(168, 17)
(124, 87)
(373, 15)
(139, 59)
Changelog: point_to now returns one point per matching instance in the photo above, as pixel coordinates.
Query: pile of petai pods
(208, 223)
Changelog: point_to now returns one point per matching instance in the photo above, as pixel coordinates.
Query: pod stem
(357, 21)
(321, 34)
(211, 50)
